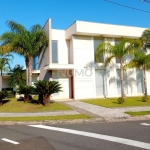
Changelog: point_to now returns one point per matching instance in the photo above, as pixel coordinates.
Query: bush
(120, 100)
(3, 94)
(144, 98)
(26, 90)
(45, 88)
(10, 94)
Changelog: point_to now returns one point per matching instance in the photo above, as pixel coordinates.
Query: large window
(54, 51)
(125, 82)
(139, 81)
(100, 82)
(96, 43)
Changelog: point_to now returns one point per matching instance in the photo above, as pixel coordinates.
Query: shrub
(45, 89)
(120, 100)
(144, 98)
(3, 94)
(26, 90)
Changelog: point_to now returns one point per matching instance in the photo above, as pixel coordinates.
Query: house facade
(70, 59)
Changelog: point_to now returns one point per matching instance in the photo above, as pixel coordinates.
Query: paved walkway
(106, 112)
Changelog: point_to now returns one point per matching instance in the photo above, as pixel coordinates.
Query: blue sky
(65, 12)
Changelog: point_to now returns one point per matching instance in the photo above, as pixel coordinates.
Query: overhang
(59, 67)
(35, 71)
(103, 30)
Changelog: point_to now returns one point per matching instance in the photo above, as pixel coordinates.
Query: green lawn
(12, 105)
(139, 113)
(43, 118)
(112, 102)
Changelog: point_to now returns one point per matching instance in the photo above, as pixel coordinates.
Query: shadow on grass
(5, 101)
(115, 102)
(34, 101)
(139, 100)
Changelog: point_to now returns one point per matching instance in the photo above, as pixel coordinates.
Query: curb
(76, 121)
(52, 122)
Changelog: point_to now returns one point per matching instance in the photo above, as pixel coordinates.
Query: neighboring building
(70, 59)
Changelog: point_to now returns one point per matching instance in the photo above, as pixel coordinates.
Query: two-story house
(70, 59)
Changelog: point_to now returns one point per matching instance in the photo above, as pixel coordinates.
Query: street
(133, 135)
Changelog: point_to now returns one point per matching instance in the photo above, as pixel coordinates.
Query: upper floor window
(96, 43)
(117, 59)
(54, 51)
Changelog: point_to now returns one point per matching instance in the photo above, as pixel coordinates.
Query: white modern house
(70, 59)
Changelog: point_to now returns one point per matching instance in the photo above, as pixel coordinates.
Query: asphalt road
(96, 136)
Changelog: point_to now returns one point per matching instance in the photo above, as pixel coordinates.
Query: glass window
(139, 81)
(124, 58)
(100, 82)
(96, 43)
(54, 51)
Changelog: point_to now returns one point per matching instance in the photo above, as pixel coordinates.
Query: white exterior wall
(84, 82)
(5, 83)
(63, 47)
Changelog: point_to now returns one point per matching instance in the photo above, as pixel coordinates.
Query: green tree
(17, 77)
(141, 61)
(25, 42)
(118, 51)
(5, 61)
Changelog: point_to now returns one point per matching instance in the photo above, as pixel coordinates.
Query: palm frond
(108, 60)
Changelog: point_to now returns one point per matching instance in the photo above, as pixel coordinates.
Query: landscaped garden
(12, 105)
(112, 102)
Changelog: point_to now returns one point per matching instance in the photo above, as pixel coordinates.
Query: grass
(139, 113)
(43, 118)
(12, 105)
(112, 102)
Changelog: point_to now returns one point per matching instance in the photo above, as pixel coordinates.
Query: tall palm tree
(5, 61)
(118, 51)
(25, 42)
(140, 61)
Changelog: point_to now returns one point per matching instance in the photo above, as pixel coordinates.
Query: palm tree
(118, 51)
(17, 77)
(146, 39)
(5, 62)
(25, 42)
(141, 61)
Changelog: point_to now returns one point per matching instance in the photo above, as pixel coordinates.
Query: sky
(64, 12)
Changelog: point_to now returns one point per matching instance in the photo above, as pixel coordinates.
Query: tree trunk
(30, 71)
(46, 99)
(145, 82)
(27, 71)
(26, 97)
(121, 79)
(40, 99)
